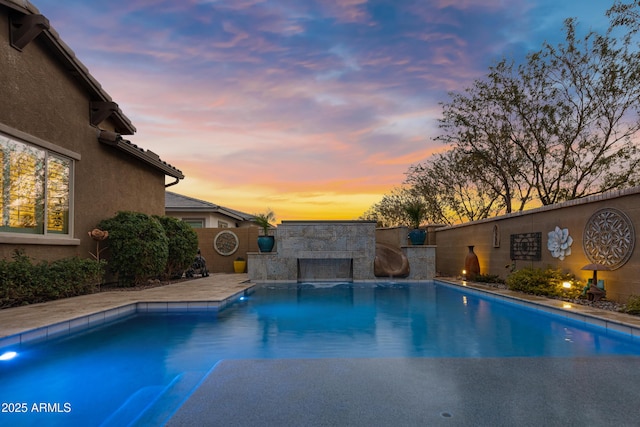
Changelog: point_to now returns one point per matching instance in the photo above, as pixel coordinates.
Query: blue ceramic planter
(265, 243)
(417, 237)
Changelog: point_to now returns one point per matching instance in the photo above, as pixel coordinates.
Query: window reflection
(28, 171)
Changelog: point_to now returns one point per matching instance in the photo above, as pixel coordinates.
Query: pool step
(131, 409)
(169, 400)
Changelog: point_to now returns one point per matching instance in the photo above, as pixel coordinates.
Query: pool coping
(88, 321)
(609, 320)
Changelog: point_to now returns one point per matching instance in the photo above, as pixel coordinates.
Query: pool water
(109, 375)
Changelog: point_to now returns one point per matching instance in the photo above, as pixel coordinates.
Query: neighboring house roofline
(182, 203)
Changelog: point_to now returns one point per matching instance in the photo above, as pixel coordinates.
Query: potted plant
(265, 242)
(239, 265)
(416, 211)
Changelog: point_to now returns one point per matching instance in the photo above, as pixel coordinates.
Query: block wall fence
(612, 237)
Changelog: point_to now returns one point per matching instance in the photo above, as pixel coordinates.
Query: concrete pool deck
(215, 288)
(598, 391)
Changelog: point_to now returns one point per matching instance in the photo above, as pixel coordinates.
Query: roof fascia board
(149, 157)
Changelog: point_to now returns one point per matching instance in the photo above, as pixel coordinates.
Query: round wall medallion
(609, 238)
(226, 243)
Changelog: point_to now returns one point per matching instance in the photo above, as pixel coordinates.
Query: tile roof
(175, 202)
(99, 97)
(72, 64)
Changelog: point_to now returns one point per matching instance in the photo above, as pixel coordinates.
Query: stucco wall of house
(493, 251)
(41, 98)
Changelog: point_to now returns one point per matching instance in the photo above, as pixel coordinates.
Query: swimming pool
(111, 374)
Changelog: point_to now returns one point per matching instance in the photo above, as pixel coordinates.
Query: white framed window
(194, 222)
(222, 224)
(36, 189)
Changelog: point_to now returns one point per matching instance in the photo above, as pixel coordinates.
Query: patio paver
(216, 287)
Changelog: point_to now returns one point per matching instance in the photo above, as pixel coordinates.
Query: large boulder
(390, 262)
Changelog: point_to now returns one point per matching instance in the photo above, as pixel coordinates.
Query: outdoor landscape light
(566, 285)
(8, 355)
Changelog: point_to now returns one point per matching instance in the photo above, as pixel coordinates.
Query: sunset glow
(314, 109)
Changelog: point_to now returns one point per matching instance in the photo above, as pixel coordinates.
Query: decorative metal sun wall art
(609, 238)
(526, 246)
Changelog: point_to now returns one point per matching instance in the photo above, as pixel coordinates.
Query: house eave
(115, 140)
(72, 64)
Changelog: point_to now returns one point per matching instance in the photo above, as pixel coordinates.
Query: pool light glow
(8, 355)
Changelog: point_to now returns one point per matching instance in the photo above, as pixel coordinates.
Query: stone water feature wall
(317, 251)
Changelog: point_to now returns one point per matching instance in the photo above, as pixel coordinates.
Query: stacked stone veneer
(316, 240)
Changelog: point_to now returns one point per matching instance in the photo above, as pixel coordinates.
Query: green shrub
(183, 246)
(138, 247)
(633, 305)
(545, 282)
(22, 282)
(488, 278)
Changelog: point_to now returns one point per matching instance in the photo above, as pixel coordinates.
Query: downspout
(172, 183)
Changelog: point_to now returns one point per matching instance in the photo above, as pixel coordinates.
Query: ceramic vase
(471, 264)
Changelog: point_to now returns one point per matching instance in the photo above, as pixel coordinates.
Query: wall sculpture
(609, 238)
(559, 243)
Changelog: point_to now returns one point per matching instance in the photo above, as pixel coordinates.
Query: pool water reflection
(131, 362)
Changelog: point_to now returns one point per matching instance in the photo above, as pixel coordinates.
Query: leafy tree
(453, 188)
(625, 15)
(556, 128)
(560, 126)
(390, 212)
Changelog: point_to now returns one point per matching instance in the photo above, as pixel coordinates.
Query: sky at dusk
(313, 108)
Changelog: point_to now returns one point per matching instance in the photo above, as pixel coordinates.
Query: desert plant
(183, 246)
(633, 305)
(416, 211)
(138, 247)
(264, 220)
(545, 282)
(488, 278)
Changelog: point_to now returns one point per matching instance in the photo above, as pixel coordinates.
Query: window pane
(58, 173)
(194, 223)
(35, 187)
(23, 191)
